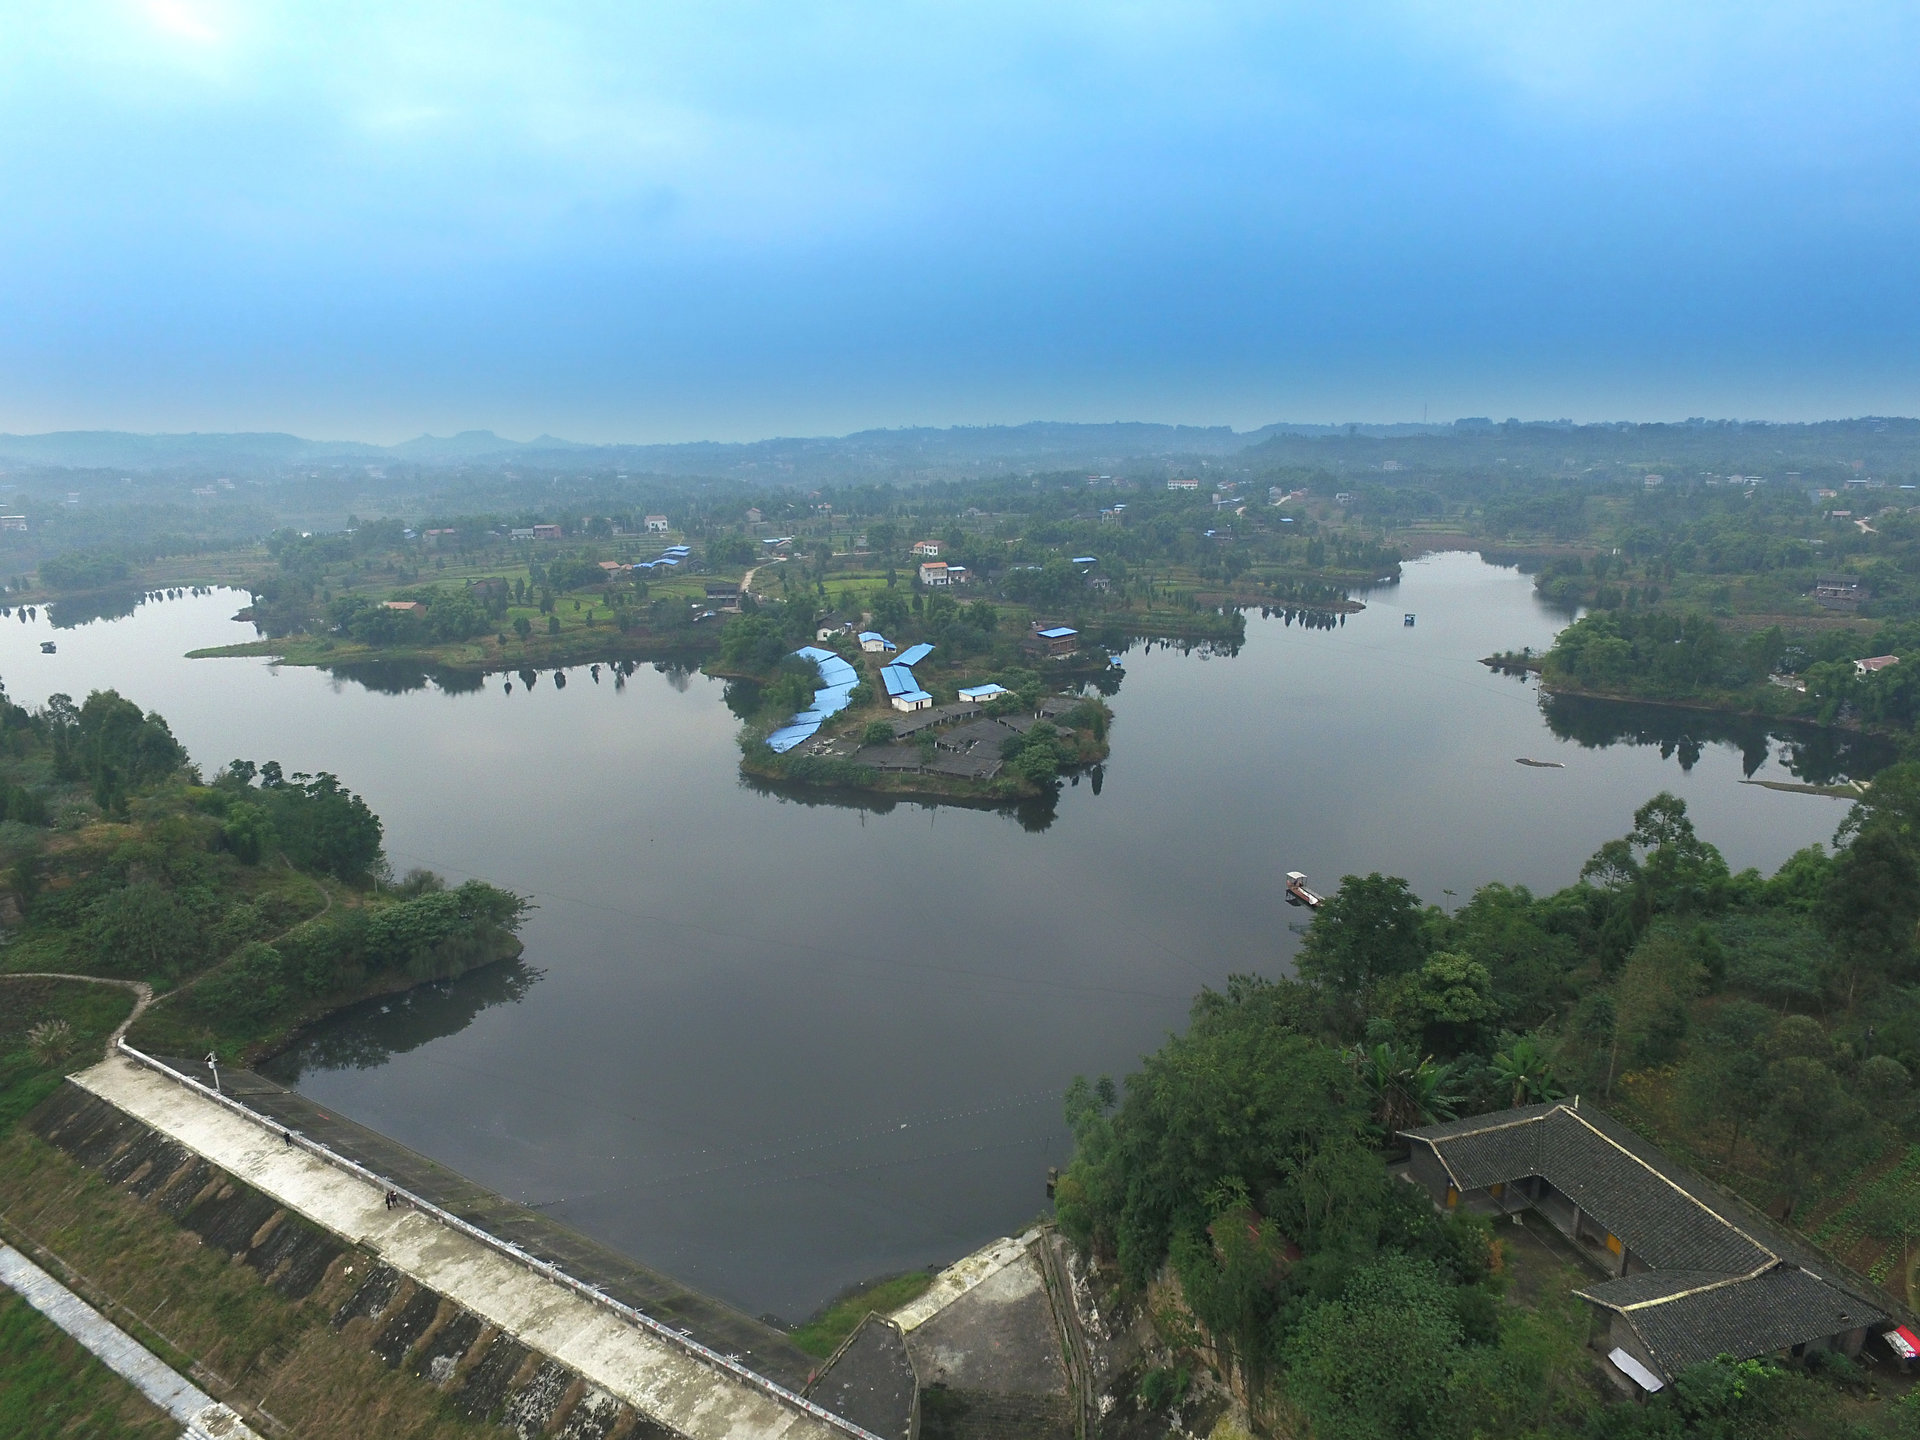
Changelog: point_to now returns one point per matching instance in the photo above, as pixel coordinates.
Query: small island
(854, 711)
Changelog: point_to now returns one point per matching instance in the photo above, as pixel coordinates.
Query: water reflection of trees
(1809, 753)
(71, 611)
(1033, 812)
(369, 1034)
(401, 677)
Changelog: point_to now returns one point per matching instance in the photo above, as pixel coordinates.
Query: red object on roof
(1913, 1340)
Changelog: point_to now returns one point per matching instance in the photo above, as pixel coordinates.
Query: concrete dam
(520, 1320)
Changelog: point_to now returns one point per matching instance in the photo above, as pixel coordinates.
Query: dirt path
(746, 580)
(142, 995)
(143, 992)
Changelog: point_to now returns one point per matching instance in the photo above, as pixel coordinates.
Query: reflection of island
(1033, 812)
(368, 1034)
(1809, 753)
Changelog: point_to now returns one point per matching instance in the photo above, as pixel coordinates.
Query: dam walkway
(511, 1267)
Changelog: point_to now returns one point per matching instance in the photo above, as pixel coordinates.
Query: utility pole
(213, 1064)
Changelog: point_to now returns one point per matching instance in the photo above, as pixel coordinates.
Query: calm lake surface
(774, 1048)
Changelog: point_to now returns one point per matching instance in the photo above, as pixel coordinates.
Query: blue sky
(726, 220)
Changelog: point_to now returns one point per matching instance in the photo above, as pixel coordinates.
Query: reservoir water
(773, 1047)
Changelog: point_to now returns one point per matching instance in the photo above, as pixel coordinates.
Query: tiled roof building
(1693, 1275)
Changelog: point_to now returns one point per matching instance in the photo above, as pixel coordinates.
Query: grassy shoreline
(484, 656)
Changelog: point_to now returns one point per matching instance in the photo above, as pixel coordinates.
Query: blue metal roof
(1058, 632)
(898, 680)
(916, 695)
(914, 655)
(815, 654)
(788, 736)
(836, 671)
(866, 635)
(1086, 559)
(984, 692)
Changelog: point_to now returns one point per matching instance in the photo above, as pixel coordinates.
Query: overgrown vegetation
(821, 1335)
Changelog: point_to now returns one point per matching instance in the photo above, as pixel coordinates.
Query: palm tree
(1404, 1093)
(1526, 1070)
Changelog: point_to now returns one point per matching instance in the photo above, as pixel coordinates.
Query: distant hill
(924, 452)
(881, 453)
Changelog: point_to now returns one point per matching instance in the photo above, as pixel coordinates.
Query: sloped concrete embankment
(484, 1373)
(501, 1338)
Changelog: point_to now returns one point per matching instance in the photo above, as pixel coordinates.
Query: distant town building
(404, 607)
(958, 575)
(1183, 483)
(1839, 592)
(13, 522)
(934, 572)
(928, 548)
(523, 532)
(656, 524)
(874, 643)
(754, 517)
(1654, 482)
(1875, 662)
(980, 694)
(546, 532)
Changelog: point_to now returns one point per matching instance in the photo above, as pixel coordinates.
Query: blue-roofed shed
(874, 642)
(914, 654)
(978, 693)
(1055, 640)
(898, 680)
(1086, 559)
(792, 734)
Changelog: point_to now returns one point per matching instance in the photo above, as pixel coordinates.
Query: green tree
(1448, 1002)
(1811, 1124)
(143, 930)
(1369, 931)
(1871, 905)
(1376, 1363)
(1721, 1076)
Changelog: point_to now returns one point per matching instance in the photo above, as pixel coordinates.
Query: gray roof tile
(1723, 1280)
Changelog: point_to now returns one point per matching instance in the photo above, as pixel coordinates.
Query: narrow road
(192, 1407)
(746, 580)
(142, 995)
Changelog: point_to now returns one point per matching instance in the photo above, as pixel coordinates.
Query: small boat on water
(1297, 892)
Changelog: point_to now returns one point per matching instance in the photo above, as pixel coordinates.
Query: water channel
(775, 1047)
